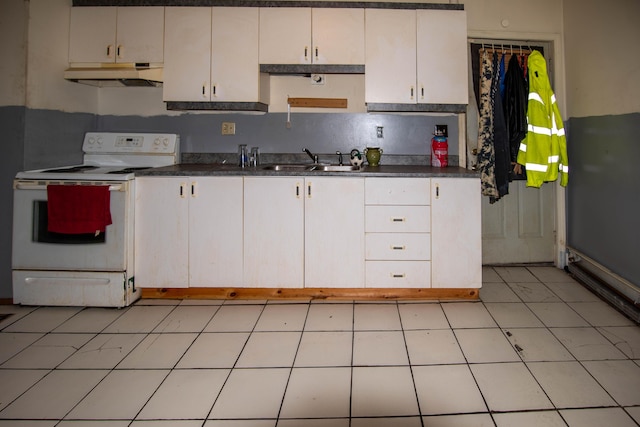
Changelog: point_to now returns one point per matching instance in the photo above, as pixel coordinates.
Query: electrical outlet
(228, 128)
(379, 132)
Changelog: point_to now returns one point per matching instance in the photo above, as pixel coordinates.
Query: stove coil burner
(128, 170)
(72, 169)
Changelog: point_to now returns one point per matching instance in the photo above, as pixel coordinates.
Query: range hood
(104, 75)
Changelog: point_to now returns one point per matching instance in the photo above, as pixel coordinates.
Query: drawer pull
(397, 276)
(398, 219)
(398, 248)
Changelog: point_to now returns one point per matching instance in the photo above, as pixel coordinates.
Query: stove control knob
(92, 140)
(99, 140)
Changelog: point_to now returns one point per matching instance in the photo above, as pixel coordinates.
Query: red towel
(78, 209)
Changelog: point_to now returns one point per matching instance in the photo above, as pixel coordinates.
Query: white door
(455, 233)
(187, 54)
(338, 36)
(162, 232)
(235, 73)
(334, 232)
(519, 228)
(140, 34)
(285, 35)
(215, 232)
(442, 57)
(92, 34)
(390, 56)
(274, 232)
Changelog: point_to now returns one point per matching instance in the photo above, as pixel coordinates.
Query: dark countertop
(218, 169)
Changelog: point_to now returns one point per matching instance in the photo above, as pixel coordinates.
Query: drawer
(397, 219)
(398, 274)
(397, 191)
(398, 246)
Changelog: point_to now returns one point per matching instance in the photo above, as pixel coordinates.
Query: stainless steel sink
(288, 168)
(335, 168)
(311, 168)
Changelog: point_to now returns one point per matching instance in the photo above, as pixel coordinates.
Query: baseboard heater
(619, 292)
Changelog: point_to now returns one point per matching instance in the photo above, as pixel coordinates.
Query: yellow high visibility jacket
(543, 151)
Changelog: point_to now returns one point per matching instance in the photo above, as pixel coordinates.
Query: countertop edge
(398, 171)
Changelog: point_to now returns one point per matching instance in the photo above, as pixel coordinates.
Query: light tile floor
(537, 350)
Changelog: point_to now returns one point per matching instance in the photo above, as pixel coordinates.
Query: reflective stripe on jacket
(543, 152)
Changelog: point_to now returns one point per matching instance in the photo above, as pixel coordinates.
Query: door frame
(556, 55)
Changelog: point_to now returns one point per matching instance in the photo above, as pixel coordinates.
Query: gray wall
(11, 161)
(321, 133)
(603, 197)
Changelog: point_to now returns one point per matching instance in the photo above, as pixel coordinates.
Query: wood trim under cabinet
(258, 3)
(313, 293)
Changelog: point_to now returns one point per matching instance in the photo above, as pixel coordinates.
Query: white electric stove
(88, 269)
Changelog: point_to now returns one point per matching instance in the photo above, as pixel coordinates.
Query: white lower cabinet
(313, 232)
(456, 239)
(188, 232)
(398, 226)
(304, 232)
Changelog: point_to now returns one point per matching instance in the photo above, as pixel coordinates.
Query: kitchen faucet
(313, 156)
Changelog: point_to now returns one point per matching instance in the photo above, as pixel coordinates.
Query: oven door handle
(43, 186)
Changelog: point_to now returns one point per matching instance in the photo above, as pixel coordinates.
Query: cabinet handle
(316, 52)
(422, 92)
(398, 219)
(204, 90)
(213, 90)
(412, 92)
(193, 189)
(309, 190)
(437, 191)
(397, 275)
(109, 49)
(297, 190)
(306, 49)
(398, 248)
(182, 187)
(119, 51)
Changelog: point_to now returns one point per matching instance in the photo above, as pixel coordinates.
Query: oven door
(35, 248)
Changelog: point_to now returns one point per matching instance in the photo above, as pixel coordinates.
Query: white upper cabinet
(211, 55)
(116, 35)
(442, 57)
(290, 35)
(390, 64)
(416, 56)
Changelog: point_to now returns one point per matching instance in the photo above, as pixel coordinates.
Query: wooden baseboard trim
(313, 293)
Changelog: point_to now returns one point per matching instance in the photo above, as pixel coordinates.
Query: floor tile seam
(353, 347)
(295, 356)
(413, 379)
(585, 369)
(156, 331)
(565, 303)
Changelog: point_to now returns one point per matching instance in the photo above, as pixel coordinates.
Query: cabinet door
(92, 34)
(456, 248)
(285, 35)
(235, 72)
(187, 54)
(390, 56)
(274, 232)
(215, 232)
(338, 36)
(161, 232)
(334, 232)
(139, 34)
(442, 57)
